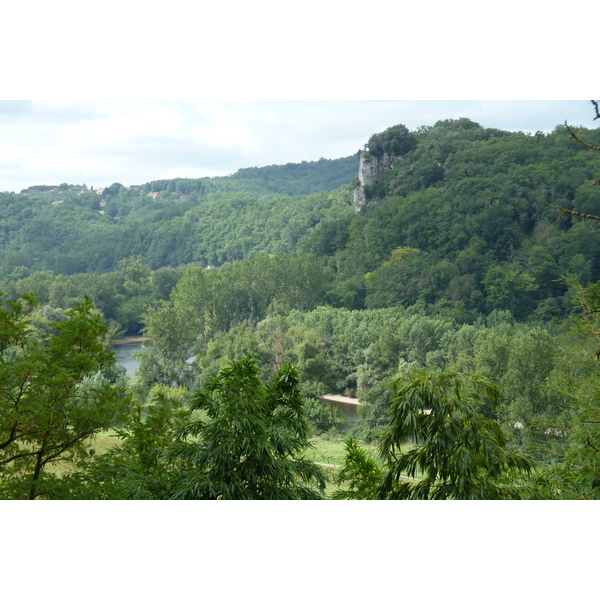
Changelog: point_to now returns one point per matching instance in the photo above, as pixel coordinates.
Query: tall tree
(53, 396)
(250, 444)
(577, 474)
(458, 453)
(165, 361)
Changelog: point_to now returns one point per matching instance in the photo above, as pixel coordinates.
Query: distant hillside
(291, 179)
(463, 219)
(305, 177)
(68, 229)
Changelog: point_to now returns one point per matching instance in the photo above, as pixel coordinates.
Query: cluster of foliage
(461, 454)
(238, 438)
(56, 392)
(359, 353)
(394, 141)
(458, 453)
(121, 296)
(576, 475)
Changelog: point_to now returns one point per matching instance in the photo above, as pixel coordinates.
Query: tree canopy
(460, 454)
(394, 141)
(54, 394)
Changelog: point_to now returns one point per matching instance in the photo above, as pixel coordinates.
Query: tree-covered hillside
(468, 220)
(70, 229)
(465, 221)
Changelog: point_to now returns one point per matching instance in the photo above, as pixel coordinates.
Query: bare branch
(596, 108)
(589, 443)
(578, 138)
(566, 211)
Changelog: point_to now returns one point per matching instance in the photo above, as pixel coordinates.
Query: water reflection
(123, 354)
(347, 412)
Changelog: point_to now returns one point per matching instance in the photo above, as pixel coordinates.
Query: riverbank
(341, 399)
(130, 339)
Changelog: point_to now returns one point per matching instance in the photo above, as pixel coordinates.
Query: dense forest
(459, 305)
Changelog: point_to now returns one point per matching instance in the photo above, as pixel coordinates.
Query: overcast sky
(132, 142)
(292, 66)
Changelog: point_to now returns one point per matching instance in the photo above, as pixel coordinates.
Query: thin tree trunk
(39, 463)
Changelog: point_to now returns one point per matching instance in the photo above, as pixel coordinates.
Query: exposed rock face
(369, 170)
(359, 197)
(371, 166)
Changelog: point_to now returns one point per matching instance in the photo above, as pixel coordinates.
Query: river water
(124, 358)
(347, 412)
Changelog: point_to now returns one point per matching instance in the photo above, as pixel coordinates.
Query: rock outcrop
(369, 170)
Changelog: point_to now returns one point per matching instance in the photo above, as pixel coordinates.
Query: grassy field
(101, 443)
(104, 441)
(327, 452)
(332, 452)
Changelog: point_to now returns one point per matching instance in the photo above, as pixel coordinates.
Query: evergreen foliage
(459, 453)
(250, 446)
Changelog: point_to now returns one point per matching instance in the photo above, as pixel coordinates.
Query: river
(347, 412)
(124, 358)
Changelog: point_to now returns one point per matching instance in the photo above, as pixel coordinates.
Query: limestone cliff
(369, 169)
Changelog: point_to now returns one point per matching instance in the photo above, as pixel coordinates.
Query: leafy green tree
(163, 282)
(53, 397)
(130, 312)
(395, 141)
(531, 407)
(135, 271)
(250, 444)
(112, 190)
(458, 453)
(165, 360)
(138, 468)
(508, 288)
(361, 476)
(577, 474)
(393, 282)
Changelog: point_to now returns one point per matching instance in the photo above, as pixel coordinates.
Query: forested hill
(305, 177)
(467, 221)
(69, 229)
(464, 221)
(291, 179)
